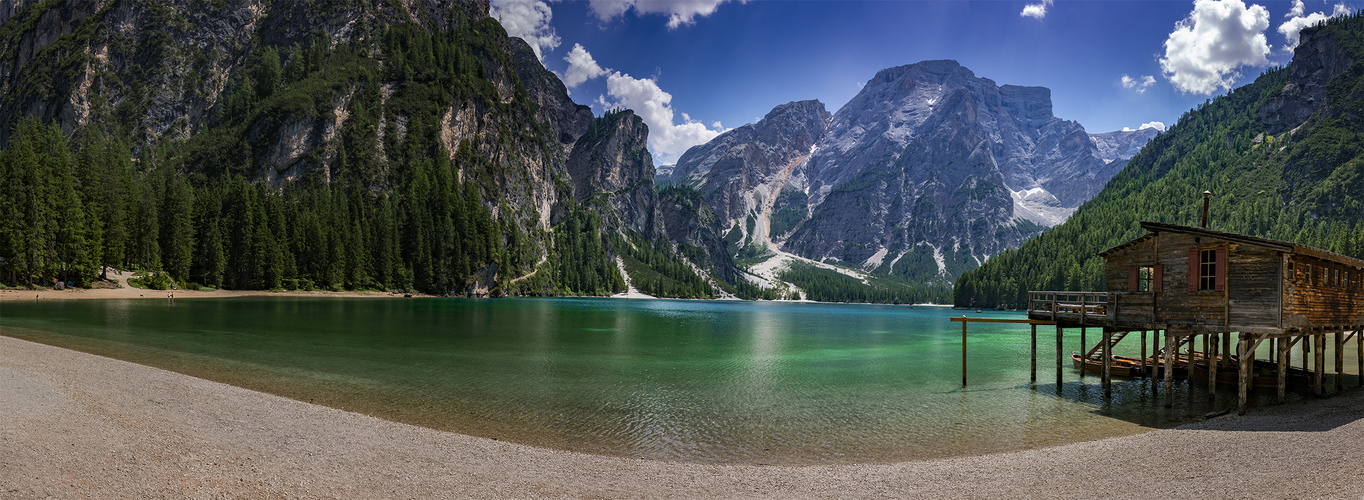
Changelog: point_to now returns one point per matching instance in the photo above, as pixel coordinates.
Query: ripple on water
(678, 380)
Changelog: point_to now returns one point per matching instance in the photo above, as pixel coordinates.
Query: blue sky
(693, 68)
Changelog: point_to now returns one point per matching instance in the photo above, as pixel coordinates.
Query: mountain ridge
(926, 172)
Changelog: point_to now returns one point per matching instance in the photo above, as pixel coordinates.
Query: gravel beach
(78, 425)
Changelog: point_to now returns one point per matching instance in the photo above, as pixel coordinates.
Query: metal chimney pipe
(1206, 195)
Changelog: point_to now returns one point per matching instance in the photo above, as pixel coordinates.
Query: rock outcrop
(1316, 61)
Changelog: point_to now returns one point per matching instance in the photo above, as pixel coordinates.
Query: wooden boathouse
(1193, 283)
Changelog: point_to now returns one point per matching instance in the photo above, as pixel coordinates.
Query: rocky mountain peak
(1122, 145)
(926, 172)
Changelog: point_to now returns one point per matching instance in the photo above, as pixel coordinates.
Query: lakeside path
(79, 425)
(128, 292)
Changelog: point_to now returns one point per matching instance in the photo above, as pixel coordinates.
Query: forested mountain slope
(356, 144)
(1284, 157)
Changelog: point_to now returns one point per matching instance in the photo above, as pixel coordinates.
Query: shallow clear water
(723, 381)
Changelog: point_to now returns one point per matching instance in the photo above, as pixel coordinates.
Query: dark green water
(683, 380)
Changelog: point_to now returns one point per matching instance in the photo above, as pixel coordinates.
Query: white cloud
(679, 12)
(1140, 84)
(668, 140)
(1036, 10)
(1297, 21)
(1205, 50)
(581, 67)
(529, 21)
(1145, 126)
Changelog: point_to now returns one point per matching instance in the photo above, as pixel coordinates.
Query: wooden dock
(1197, 287)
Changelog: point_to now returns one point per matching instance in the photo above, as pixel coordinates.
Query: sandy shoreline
(78, 425)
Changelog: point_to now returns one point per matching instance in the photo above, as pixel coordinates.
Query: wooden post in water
(1213, 364)
(1207, 358)
(1188, 374)
(1084, 351)
(1243, 378)
(1060, 335)
(1283, 368)
(1340, 361)
(1034, 353)
(1227, 348)
(1306, 349)
(1143, 357)
(1169, 370)
(1319, 366)
(1155, 357)
(1108, 362)
(963, 350)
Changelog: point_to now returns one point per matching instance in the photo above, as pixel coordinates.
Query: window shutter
(1221, 278)
(1193, 269)
(1132, 278)
(1157, 282)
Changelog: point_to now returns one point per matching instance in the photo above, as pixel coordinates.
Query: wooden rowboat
(1265, 375)
(1126, 366)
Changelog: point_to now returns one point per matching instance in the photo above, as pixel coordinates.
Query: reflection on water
(681, 380)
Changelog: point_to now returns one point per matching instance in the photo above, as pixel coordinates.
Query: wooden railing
(1081, 306)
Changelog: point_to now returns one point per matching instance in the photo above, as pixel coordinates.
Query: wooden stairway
(1117, 337)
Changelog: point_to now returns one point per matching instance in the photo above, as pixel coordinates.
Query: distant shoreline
(129, 292)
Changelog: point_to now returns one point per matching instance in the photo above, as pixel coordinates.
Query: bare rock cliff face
(160, 67)
(745, 174)
(613, 171)
(1316, 61)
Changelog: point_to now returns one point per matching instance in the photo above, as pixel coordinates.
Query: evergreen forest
(390, 213)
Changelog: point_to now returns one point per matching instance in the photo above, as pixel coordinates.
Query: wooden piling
(1169, 370)
(1108, 362)
(1306, 352)
(1060, 349)
(1359, 356)
(1213, 371)
(1084, 350)
(1283, 368)
(1193, 347)
(1318, 365)
(1143, 357)
(1340, 361)
(1208, 352)
(963, 350)
(1155, 356)
(1034, 353)
(1243, 378)
(1227, 346)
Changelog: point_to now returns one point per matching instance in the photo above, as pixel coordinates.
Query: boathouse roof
(1282, 246)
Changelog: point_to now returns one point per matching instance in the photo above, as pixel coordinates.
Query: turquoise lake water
(707, 381)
